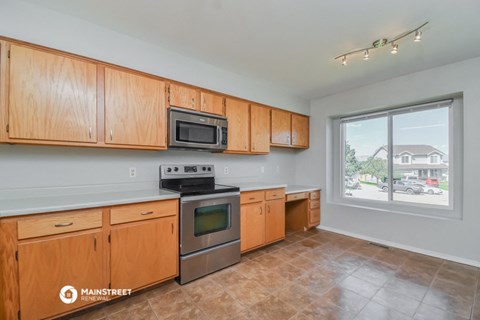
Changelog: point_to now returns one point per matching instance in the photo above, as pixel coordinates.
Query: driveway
(372, 192)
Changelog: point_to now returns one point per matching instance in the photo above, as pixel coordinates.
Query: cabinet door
(143, 253)
(46, 266)
(237, 114)
(51, 97)
(281, 127)
(212, 103)
(313, 217)
(300, 130)
(183, 96)
(252, 226)
(275, 220)
(260, 129)
(135, 111)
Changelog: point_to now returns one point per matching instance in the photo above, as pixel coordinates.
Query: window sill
(447, 214)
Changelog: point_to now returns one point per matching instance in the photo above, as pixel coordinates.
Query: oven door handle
(209, 196)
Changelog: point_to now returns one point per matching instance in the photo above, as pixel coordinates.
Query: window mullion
(390, 158)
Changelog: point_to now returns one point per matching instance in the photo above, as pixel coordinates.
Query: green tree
(352, 166)
(375, 167)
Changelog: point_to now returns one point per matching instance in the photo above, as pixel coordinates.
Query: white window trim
(452, 211)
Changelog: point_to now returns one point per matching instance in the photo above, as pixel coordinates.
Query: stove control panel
(179, 171)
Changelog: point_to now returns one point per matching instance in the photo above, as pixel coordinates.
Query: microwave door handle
(219, 138)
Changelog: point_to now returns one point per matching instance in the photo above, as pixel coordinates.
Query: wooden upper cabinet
(183, 96)
(281, 126)
(300, 131)
(237, 113)
(135, 112)
(212, 103)
(51, 97)
(46, 265)
(259, 129)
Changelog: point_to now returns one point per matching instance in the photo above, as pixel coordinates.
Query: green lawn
(443, 185)
(370, 183)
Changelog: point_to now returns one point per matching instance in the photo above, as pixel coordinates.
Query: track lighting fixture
(381, 43)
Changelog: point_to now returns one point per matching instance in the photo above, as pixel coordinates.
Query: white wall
(24, 167)
(43, 166)
(458, 239)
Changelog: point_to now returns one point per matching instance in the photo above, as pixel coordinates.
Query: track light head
(366, 55)
(418, 36)
(394, 48)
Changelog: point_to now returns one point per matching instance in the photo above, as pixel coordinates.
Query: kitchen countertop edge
(75, 202)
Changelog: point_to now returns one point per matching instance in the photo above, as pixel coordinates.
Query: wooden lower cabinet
(252, 226)
(41, 254)
(261, 221)
(302, 210)
(144, 253)
(274, 220)
(45, 266)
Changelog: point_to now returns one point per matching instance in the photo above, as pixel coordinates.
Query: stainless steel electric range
(209, 219)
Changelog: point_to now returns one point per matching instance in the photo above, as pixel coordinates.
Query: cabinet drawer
(315, 195)
(314, 217)
(57, 223)
(273, 194)
(143, 211)
(297, 196)
(314, 204)
(252, 196)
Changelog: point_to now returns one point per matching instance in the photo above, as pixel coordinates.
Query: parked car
(351, 183)
(412, 179)
(402, 186)
(430, 190)
(433, 182)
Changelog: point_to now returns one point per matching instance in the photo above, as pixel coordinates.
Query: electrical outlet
(226, 170)
(132, 172)
(262, 169)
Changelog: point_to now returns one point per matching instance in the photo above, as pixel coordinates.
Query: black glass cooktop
(197, 186)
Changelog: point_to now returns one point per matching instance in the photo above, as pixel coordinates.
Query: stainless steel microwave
(196, 130)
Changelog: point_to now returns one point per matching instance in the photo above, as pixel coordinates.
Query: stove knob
(209, 169)
(194, 169)
(204, 168)
(169, 169)
(175, 169)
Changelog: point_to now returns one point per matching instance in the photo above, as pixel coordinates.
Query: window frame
(455, 127)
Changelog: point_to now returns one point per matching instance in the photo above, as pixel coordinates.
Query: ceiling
(292, 43)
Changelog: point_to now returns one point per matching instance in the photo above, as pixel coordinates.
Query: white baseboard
(404, 247)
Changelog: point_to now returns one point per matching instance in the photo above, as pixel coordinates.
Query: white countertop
(251, 186)
(64, 199)
(41, 204)
(299, 188)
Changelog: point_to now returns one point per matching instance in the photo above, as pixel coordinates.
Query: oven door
(196, 130)
(209, 220)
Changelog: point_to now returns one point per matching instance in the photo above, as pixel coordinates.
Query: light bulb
(344, 60)
(418, 36)
(394, 48)
(365, 55)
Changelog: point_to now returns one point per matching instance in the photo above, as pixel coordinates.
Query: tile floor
(314, 275)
